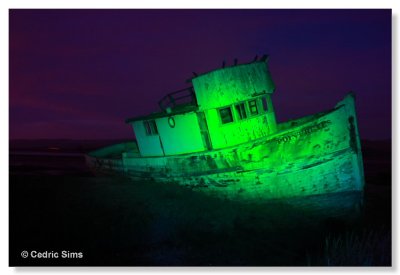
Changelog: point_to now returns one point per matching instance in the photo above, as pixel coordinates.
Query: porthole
(171, 122)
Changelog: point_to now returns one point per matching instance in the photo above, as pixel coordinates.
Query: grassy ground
(117, 222)
(56, 207)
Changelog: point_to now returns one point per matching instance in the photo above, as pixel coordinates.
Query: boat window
(264, 103)
(226, 115)
(151, 127)
(240, 108)
(253, 107)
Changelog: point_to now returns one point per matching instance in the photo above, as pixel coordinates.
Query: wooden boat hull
(315, 155)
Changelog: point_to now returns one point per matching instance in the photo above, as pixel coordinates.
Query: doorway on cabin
(204, 130)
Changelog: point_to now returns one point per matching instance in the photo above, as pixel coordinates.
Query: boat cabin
(225, 107)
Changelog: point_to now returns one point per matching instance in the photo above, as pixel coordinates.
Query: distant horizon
(104, 139)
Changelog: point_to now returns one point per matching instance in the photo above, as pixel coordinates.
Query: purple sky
(80, 73)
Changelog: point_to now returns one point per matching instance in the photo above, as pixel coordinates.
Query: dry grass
(369, 247)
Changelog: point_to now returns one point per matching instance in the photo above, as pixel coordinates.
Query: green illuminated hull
(315, 155)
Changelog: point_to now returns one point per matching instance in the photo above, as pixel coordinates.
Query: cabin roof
(177, 110)
(264, 58)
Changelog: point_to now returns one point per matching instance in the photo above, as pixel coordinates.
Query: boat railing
(180, 97)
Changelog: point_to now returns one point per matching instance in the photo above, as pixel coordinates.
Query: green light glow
(224, 88)
(241, 152)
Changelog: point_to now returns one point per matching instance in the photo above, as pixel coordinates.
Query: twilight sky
(80, 73)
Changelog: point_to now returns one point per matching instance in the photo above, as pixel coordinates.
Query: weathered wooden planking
(320, 156)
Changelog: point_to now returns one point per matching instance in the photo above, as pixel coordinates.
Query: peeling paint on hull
(316, 155)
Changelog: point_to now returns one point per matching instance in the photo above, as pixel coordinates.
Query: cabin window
(264, 103)
(241, 110)
(151, 127)
(226, 115)
(253, 107)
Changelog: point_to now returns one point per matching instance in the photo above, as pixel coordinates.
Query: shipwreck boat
(221, 137)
